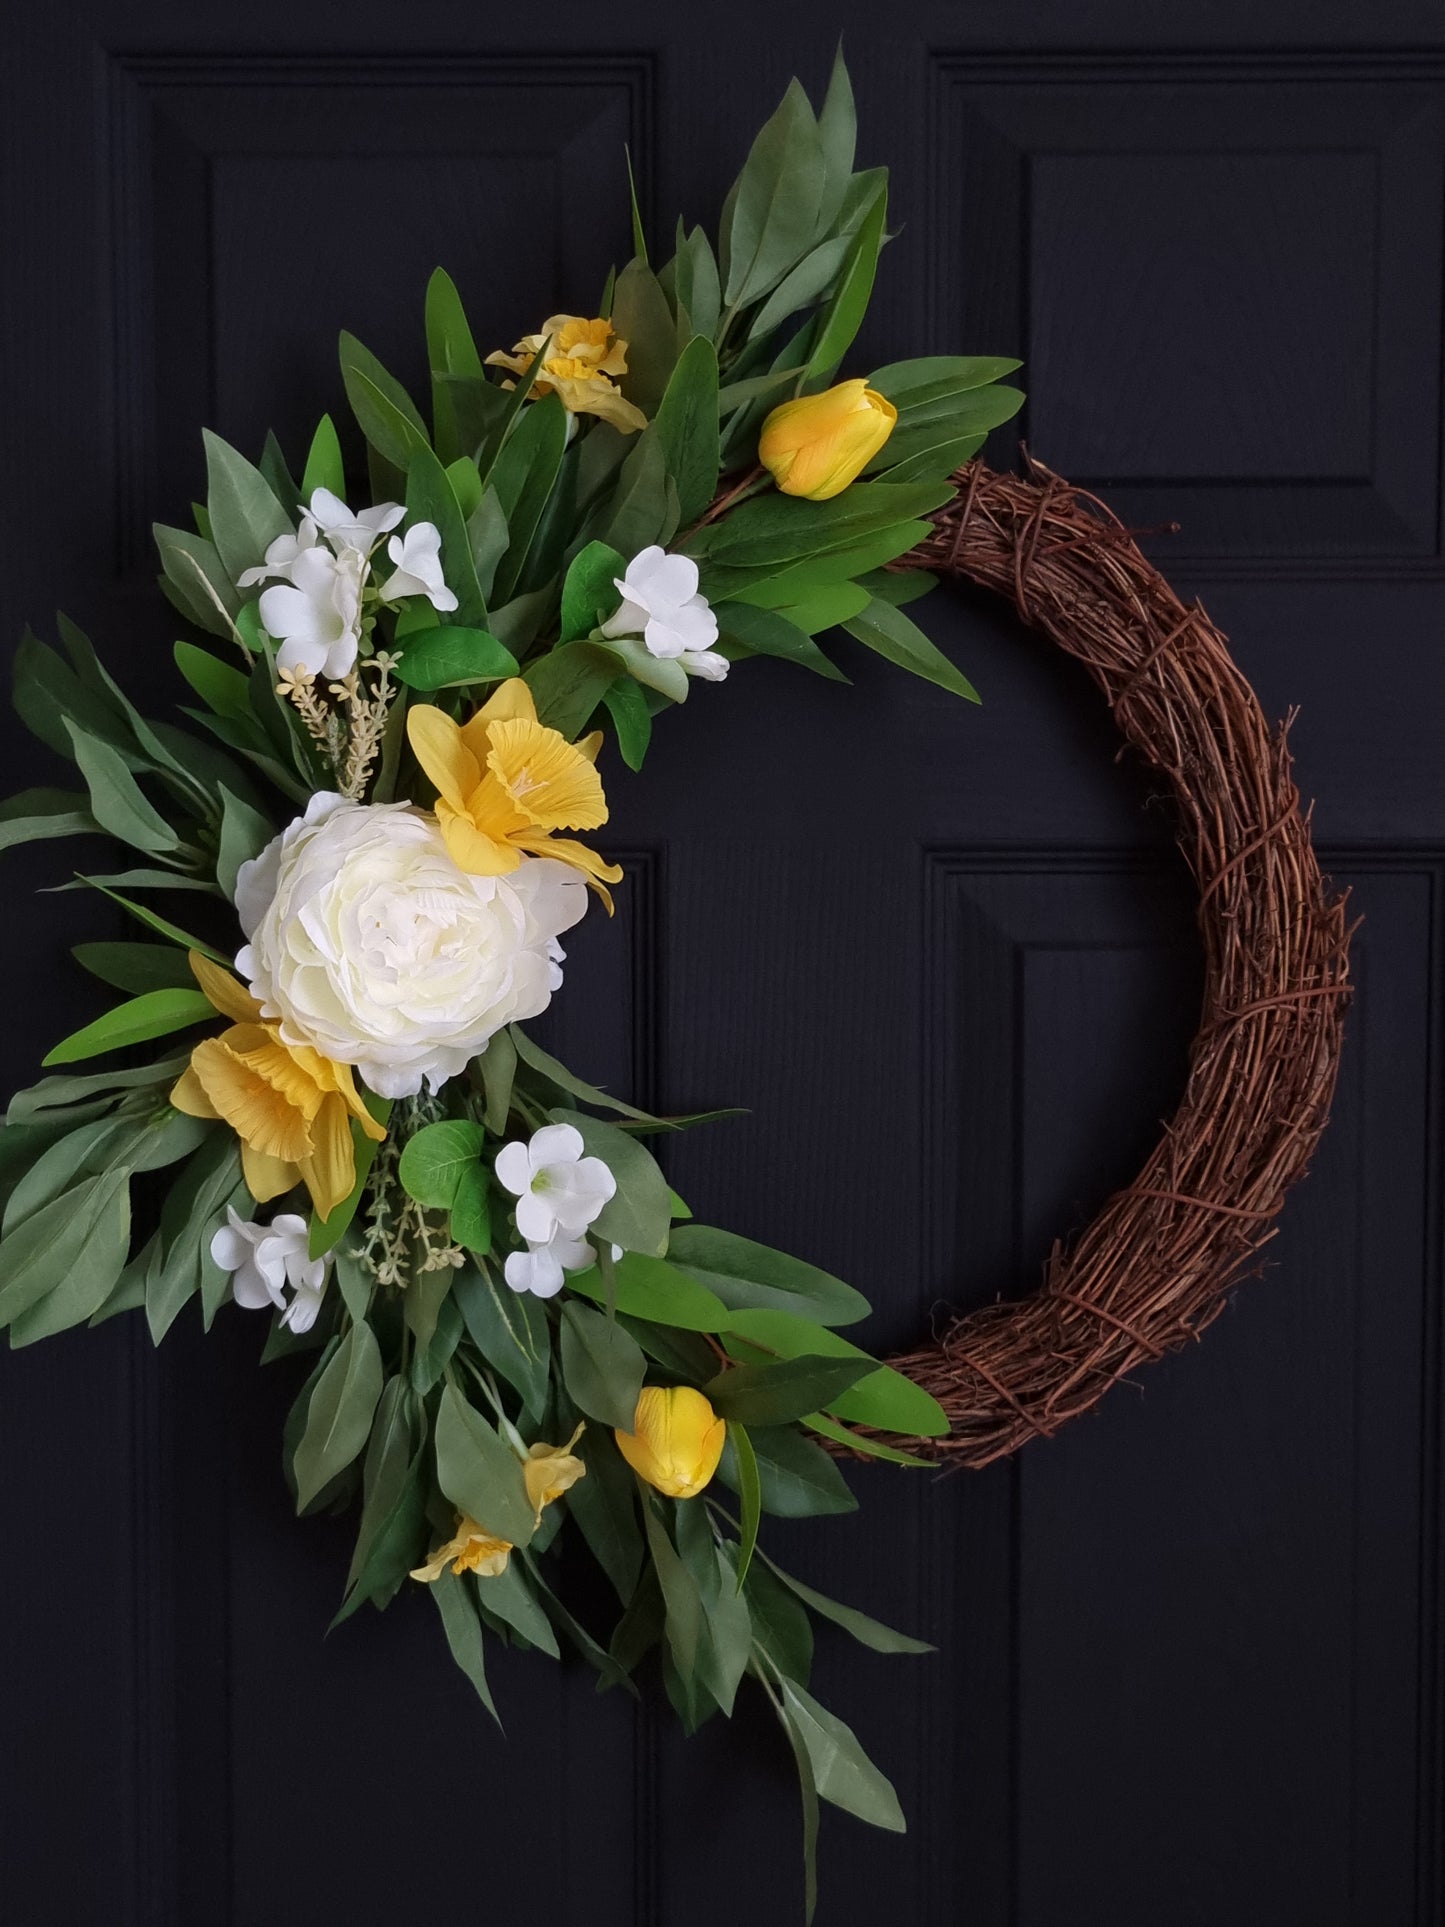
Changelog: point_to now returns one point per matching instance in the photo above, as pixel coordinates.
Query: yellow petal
(231, 998)
(589, 746)
(330, 1171)
(345, 1086)
(600, 398)
(437, 745)
(267, 1177)
(510, 702)
(548, 780)
(551, 1470)
(566, 849)
(472, 849)
(815, 445)
(676, 1440)
(257, 1112)
(188, 1094)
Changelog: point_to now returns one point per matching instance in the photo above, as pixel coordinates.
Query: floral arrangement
(510, 1325)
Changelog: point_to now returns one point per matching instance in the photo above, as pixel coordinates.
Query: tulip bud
(676, 1440)
(816, 445)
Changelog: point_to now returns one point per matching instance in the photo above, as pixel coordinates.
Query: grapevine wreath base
(1156, 1265)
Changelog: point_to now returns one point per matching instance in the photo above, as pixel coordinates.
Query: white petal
(672, 580)
(230, 1248)
(640, 569)
(695, 620)
(555, 1144)
(536, 1219)
(630, 620)
(249, 1290)
(303, 1311)
(513, 1168)
(597, 1177)
(664, 638)
(706, 663)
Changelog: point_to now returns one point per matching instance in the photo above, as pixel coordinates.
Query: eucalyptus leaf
(510, 1330)
(895, 636)
(749, 1276)
(777, 199)
(479, 1472)
(604, 1508)
(454, 1601)
(339, 1414)
(79, 1240)
(796, 1478)
(842, 1771)
(775, 1394)
(385, 412)
(220, 686)
(245, 516)
(602, 1367)
(117, 802)
(869, 1632)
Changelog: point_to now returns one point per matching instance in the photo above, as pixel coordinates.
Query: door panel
(1189, 1650)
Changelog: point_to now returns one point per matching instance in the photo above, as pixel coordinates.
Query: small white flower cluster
(267, 1260)
(314, 608)
(559, 1193)
(660, 603)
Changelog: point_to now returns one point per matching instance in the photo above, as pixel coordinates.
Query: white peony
(267, 1260)
(660, 603)
(368, 943)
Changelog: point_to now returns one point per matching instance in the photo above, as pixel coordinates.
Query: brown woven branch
(1156, 1265)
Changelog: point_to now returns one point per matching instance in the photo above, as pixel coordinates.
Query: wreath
(379, 821)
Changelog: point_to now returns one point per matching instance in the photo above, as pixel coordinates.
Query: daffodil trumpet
(291, 1107)
(506, 783)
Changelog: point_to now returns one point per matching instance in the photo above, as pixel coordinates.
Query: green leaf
(695, 280)
(53, 1091)
(838, 136)
(451, 657)
(663, 673)
(568, 683)
(116, 799)
(470, 1220)
(766, 633)
(776, 200)
(843, 317)
(480, 1474)
(430, 497)
(604, 1508)
(727, 1645)
(455, 1602)
(455, 364)
(687, 428)
(772, 530)
(78, 1242)
(339, 1415)
(386, 414)
(93, 1146)
(602, 1367)
(535, 1058)
(436, 1160)
(898, 638)
(135, 966)
(642, 318)
(33, 815)
(395, 1541)
(651, 1288)
(884, 1398)
(842, 1771)
(928, 378)
(498, 1063)
(780, 1625)
(159, 924)
(324, 465)
(815, 273)
(219, 686)
(777, 1394)
(749, 1276)
(797, 1479)
(808, 1790)
(508, 1597)
(245, 515)
(327, 1232)
(869, 1632)
(244, 834)
(639, 1215)
(631, 718)
(392, 1453)
(750, 1492)
(589, 593)
(860, 1442)
(644, 507)
(196, 579)
(153, 1014)
(524, 476)
(509, 1328)
(685, 1624)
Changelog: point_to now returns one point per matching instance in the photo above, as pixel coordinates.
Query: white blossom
(417, 555)
(369, 944)
(316, 614)
(559, 1192)
(660, 603)
(281, 555)
(360, 531)
(268, 1260)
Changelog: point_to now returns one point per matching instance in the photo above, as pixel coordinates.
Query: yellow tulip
(470, 1549)
(290, 1106)
(816, 445)
(676, 1440)
(581, 363)
(505, 782)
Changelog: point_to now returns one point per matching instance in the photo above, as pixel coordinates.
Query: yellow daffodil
(676, 1440)
(505, 783)
(581, 363)
(816, 445)
(547, 1472)
(290, 1106)
(551, 1470)
(470, 1549)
